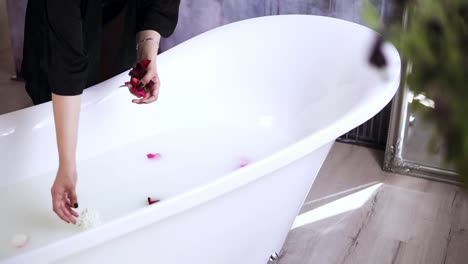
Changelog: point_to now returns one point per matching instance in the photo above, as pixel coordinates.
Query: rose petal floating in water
(153, 155)
(19, 240)
(244, 162)
(151, 201)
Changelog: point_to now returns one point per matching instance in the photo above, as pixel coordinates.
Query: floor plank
(356, 213)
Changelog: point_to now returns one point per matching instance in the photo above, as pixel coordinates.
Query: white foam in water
(116, 183)
(89, 218)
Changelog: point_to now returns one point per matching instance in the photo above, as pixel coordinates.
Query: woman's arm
(66, 115)
(155, 18)
(67, 65)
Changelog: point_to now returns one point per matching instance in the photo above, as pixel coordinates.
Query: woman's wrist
(147, 44)
(67, 164)
(148, 50)
(144, 41)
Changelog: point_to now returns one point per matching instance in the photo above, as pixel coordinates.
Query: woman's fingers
(153, 86)
(62, 208)
(74, 213)
(69, 214)
(73, 198)
(62, 215)
(152, 96)
(58, 209)
(149, 76)
(141, 99)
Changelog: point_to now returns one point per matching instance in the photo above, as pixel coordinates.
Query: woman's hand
(64, 194)
(148, 49)
(151, 81)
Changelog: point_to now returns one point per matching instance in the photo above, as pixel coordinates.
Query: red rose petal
(139, 70)
(137, 92)
(137, 73)
(145, 63)
(153, 155)
(134, 82)
(151, 201)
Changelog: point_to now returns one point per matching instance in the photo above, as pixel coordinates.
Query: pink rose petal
(153, 155)
(19, 240)
(244, 162)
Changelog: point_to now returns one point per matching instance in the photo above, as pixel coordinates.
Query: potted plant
(432, 37)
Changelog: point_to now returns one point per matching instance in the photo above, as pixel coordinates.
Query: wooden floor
(356, 213)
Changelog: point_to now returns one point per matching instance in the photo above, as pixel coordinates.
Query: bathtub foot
(274, 258)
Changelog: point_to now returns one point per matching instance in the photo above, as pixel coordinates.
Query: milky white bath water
(119, 182)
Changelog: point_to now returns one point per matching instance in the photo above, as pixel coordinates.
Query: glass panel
(420, 146)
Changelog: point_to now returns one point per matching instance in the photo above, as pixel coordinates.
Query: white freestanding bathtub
(276, 90)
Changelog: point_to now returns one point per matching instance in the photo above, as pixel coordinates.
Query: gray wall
(201, 15)
(198, 16)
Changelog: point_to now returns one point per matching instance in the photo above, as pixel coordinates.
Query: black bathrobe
(62, 41)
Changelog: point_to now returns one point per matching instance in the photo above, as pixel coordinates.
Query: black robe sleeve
(67, 61)
(69, 28)
(158, 15)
